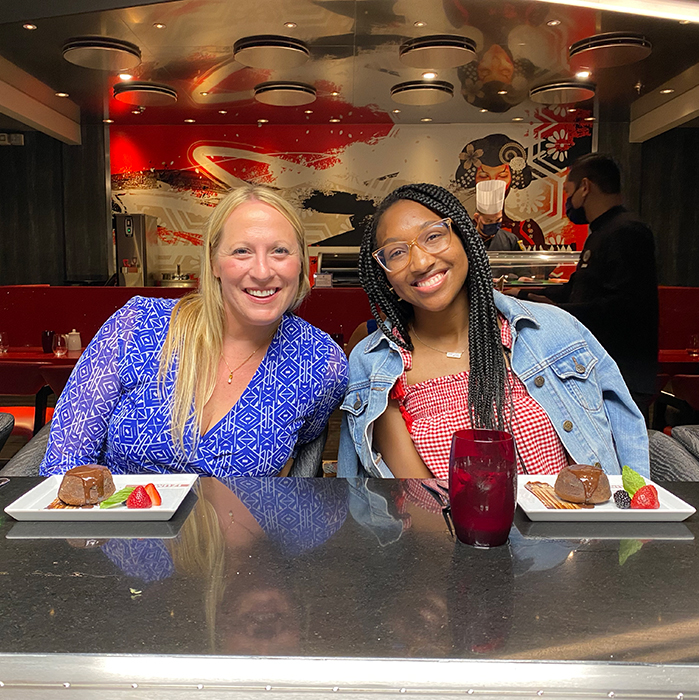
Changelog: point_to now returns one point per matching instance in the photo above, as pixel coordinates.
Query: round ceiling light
(102, 53)
(422, 92)
(438, 51)
(268, 51)
(145, 94)
(611, 49)
(285, 94)
(563, 92)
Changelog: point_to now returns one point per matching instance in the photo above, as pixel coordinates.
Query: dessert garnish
(154, 495)
(631, 480)
(139, 498)
(622, 499)
(646, 497)
(545, 493)
(641, 495)
(118, 498)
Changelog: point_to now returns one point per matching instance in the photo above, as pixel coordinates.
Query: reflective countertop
(338, 568)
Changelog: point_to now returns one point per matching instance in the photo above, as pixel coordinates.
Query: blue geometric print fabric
(115, 411)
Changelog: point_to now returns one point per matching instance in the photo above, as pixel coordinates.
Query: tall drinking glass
(482, 486)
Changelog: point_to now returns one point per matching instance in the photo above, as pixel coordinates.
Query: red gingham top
(434, 409)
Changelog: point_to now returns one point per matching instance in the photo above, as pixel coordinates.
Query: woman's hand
(392, 440)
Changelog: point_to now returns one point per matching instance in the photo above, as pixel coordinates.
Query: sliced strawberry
(646, 497)
(139, 498)
(154, 495)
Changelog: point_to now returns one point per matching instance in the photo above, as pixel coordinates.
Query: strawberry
(154, 495)
(139, 498)
(646, 497)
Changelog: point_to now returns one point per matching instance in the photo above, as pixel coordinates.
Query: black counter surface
(330, 568)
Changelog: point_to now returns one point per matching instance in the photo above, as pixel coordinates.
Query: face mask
(576, 215)
(489, 230)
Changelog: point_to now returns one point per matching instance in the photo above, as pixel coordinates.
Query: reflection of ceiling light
(429, 75)
(422, 92)
(502, 92)
(335, 93)
(426, 119)
(517, 119)
(268, 51)
(589, 119)
(677, 9)
(145, 94)
(28, 26)
(102, 53)
(189, 121)
(308, 111)
(334, 120)
(553, 22)
(136, 111)
(682, 21)
(396, 111)
(108, 121)
(667, 91)
(285, 94)
(263, 121)
(563, 92)
(572, 109)
(611, 49)
(419, 24)
(125, 76)
(438, 51)
(223, 111)
(484, 110)
(583, 74)
(290, 25)
(159, 25)
(61, 94)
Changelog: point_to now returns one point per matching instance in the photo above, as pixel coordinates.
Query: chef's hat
(490, 196)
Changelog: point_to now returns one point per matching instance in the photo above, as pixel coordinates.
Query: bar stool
(25, 379)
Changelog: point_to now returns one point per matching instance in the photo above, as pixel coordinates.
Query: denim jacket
(560, 362)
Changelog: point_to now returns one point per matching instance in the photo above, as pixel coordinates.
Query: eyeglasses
(436, 238)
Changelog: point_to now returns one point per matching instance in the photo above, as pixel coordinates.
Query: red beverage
(482, 486)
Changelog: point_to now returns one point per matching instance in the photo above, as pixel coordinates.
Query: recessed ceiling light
(426, 119)
(589, 119)
(484, 110)
(396, 111)
(108, 121)
(572, 109)
(125, 76)
(204, 94)
(189, 121)
(419, 24)
(290, 25)
(517, 119)
(553, 22)
(583, 74)
(29, 26)
(223, 111)
(335, 93)
(667, 91)
(430, 75)
(136, 111)
(262, 121)
(502, 92)
(61, 94)
(334, 120)
(308, 111)
(158, 25)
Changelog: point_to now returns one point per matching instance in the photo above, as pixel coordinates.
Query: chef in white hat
(490, 200)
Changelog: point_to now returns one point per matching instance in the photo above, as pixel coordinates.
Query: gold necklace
(450, 355)
(247, 359)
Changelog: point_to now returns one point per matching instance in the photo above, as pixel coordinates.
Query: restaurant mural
(337, 173)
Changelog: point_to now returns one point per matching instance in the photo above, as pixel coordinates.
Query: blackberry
(622, 499)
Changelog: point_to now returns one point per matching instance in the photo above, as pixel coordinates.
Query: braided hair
(487, 376)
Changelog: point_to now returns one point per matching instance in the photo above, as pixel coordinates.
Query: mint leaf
(627, 548)
(631, 480)
(116, 499)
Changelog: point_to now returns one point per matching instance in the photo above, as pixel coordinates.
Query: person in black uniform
(490, 200)
(614, 290)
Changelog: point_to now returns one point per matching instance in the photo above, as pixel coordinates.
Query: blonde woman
(226, 381)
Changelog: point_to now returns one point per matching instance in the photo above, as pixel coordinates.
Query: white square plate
(172, 488)
(672, 508)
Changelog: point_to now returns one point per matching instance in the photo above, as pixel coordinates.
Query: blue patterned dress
(114, 411)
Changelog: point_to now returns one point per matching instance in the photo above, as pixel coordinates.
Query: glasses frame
(449, 223)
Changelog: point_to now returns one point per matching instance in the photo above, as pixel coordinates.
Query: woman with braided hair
(452, 353)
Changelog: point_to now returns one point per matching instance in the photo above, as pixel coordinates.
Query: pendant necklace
(450, 355)
(246, 360)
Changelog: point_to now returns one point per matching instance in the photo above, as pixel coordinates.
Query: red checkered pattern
(435, 409)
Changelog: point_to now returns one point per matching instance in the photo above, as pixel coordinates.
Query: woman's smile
(431, 281)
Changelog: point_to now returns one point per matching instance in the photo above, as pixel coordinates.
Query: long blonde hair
(195, 339)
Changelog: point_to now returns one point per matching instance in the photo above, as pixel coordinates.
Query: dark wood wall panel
(31, 212)
(669, 203)
(87, 214)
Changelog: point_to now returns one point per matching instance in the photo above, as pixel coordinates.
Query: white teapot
(73, 340)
